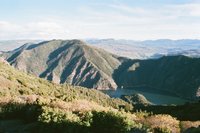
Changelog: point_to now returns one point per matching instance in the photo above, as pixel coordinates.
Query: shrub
(56, 120)
(140, 128)
(27, 112)
(187, 125)
(162, 130)
(95, 122)
(162, 121)
(193, 130)
(86, 118)
(54, 115)
(110, 122)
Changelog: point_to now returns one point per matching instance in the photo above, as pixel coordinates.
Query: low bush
(162, 130)
(27, 112)
(110, 122)
(94, 122)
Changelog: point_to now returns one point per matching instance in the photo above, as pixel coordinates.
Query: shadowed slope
(69, 61)
(74, 62)
(179, 75)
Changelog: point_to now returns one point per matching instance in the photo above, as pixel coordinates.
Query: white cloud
(127, 9)
(33, 30)
(190, 9)
(7, 26)
(120, 21)
(46, 30)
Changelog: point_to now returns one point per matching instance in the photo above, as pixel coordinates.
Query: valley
(99, 66)
(77, 63)
(30, 104)
(68, 85)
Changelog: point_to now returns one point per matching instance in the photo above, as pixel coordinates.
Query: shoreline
(131, 90)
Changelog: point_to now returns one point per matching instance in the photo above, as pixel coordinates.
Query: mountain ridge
(31, 104)
(144, 49)
(76, 63)
(70, 61)
(175, 74)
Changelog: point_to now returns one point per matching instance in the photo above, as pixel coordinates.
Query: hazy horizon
(99, 39)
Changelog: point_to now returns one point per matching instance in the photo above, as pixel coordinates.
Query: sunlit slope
(14, 83)
(66, 61)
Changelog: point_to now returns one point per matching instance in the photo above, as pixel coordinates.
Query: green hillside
(179, 75)
(37, 105)
(15, 83)
(30, 104)
(76, 63)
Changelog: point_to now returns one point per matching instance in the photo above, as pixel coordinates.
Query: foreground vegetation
(47, 115)
(30, 104)
(57, 116)
(188, 111)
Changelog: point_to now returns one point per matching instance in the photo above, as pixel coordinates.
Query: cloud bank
(115, 20)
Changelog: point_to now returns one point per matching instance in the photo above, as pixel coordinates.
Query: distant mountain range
(76, 63)
(130, 48)
(149, 48)
(9, 45)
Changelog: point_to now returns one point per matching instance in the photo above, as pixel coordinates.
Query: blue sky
(120, 19)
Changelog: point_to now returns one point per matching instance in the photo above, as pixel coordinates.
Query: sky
(86, 19)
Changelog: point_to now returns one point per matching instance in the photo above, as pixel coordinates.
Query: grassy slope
(67, 108)
(24, 96)
(16, 83)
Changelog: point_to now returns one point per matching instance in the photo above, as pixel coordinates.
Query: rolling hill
(66, 61)
(76, 63)
(15, 83)
(178, 75)
(30, 104)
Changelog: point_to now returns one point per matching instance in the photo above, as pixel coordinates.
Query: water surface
(155, 98)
